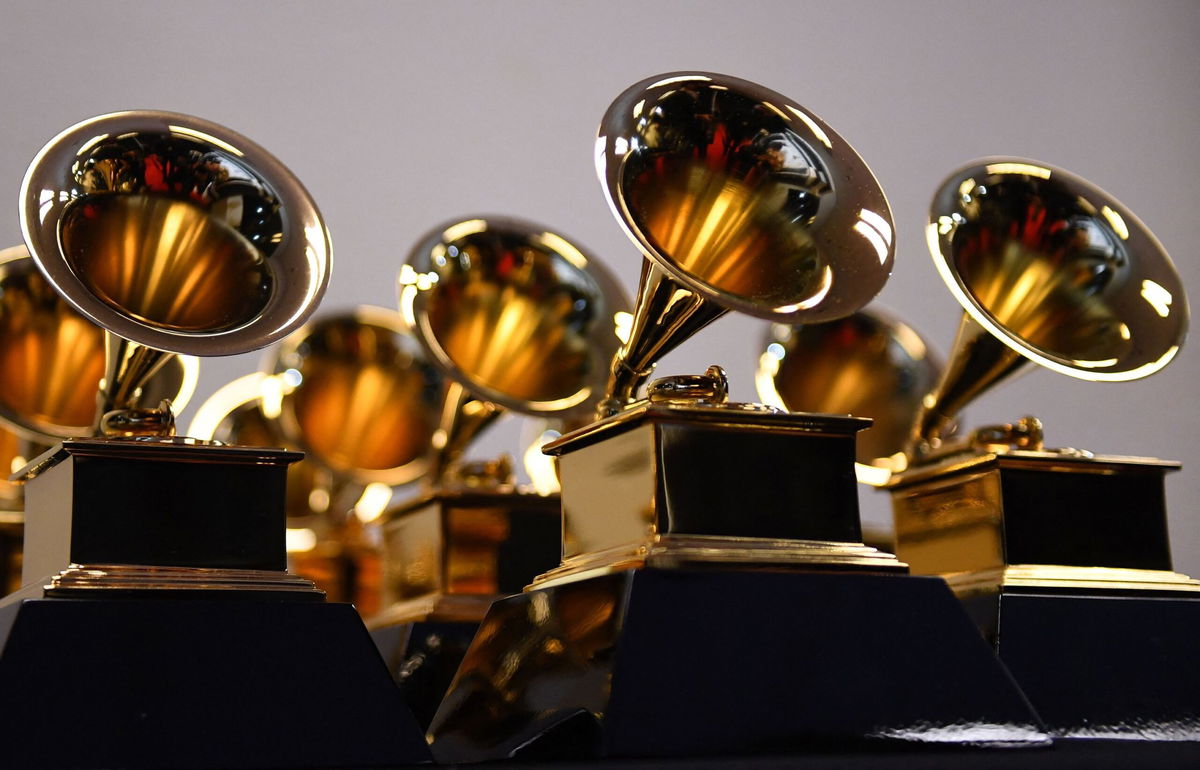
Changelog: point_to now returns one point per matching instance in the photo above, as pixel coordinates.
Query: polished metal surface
(514, 312)
(1049, 269)
(359, 396)
(740, 199)
(175, 233)
(52, 360)
(867, 364)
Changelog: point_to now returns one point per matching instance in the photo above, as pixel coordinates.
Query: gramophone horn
(516, 316)
(359, 396)
(867, 364)
(1049, 269)
(740, 199)
(52, 360)
(176, 235)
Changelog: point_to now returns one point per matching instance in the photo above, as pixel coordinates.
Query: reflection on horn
(739, 199)
(175, 235)
(1048, 269)
(867, 364)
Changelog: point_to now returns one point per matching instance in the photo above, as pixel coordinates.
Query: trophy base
(422, 657)
(678, 662)
(1102, 665)
(138, 682)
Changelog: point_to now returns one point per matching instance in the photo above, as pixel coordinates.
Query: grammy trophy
(161, 588)
(517, 318)
(1061, 555)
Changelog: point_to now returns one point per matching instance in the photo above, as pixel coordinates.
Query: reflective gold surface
(515, 312)
(1034, 519)
(175, 233)
(450, 553)
(1051, 269)
(866, 364)
(741, 199)
(670, 485)
(165, 262)
(51, 358)
(359, 395)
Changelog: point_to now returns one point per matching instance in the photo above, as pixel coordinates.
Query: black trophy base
(694, 662)
(1103, 666)
(423, 657)
(178, 683)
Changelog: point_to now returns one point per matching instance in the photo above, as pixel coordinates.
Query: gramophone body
(1061, 556)
(162, 592)
(709, 600)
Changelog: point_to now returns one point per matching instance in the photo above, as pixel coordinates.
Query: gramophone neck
(128, 367)
(665, 314)
(463, 418)
(977, 361)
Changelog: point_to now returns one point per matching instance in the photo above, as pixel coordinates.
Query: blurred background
(401, 116)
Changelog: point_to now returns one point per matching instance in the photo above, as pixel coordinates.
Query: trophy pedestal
(191, 683)
(174, 638)
(1065, 565)
(448, 556)
(1104, 665)
(680, 662)
(714, 598)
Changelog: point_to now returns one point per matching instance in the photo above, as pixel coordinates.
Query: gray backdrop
(398, 116)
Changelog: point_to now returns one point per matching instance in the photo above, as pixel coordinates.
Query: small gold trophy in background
(51, 361)
(1062, 556)
(354, 392)
(164, 594)
(520, 319)
(868, 364)
(714, 594)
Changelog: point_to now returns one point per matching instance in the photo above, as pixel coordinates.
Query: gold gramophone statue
(51, 359)
(1061, 556)
(517, 318)
(163, 594)
(714, 594)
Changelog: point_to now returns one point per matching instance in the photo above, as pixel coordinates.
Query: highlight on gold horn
(1049, 269)
(175, 235)
(740, 199)
(868, 364)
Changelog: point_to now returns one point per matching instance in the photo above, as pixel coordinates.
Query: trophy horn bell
(868, 364)
(516, 316)
(175, 235)
(52, 360)
(1049, 269)
(359, 396)
(739, 199)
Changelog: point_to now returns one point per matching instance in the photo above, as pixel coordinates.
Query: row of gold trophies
(701, 583)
